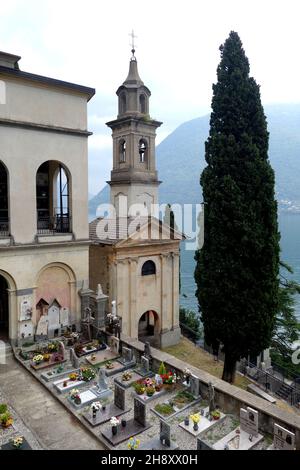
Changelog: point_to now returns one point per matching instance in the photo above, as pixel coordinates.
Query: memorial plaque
(283, 439)
(249, 421)
(194, 386)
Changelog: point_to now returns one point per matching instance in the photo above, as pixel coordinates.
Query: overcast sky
(87, 42)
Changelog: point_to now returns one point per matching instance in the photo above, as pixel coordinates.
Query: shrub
(162, 369)
(3, 408)
(164, 409)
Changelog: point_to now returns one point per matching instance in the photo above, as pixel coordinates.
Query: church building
(44, 237)
(133, 255)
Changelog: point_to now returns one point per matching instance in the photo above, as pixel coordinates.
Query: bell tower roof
(133, 79)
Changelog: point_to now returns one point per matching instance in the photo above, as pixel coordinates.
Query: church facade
(44, 238)
(133, 255)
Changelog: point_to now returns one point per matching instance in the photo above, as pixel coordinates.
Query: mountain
(180, 160)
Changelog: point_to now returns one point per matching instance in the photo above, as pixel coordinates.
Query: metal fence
(4, 227)
(54, 224)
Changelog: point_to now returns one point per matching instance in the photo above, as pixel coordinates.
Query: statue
(211, 397)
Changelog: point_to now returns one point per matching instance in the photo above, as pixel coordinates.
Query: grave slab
(132, 429)
(147, 399)
(101, 357)
(46, 365)
(86, 397)
(156, 444)
(128, 383)
(118, 367)
(9, 446)
(104, 415)
(59, 384)
(235, 441)
(52, 375)
(203, 424)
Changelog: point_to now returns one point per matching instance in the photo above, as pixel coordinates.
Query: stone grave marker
(114, 344)
(283, 439)
(119, 397)
(127, 355)
(165, 433)
(102, 380)
(74, 359)
(211, 397)
(145, 365)
(249, 421)
(61, 349)
(140, 412)
(53, 318)
(42, 326)
(194, 386)
(64, 316)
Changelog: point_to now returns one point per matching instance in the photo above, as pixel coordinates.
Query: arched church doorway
(4, 309)
(149, 328)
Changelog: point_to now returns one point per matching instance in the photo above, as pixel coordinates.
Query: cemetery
(128, 398)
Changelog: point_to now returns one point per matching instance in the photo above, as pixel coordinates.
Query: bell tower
(134, 174)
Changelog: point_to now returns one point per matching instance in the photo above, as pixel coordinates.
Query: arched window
(52, 193)
(143, 109)
(122, 149)
(143, 151)
(4, 219)
(148, 268)
(122, 104)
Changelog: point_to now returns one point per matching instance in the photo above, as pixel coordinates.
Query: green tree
(190, 319)
(287, 327)
(237, 267)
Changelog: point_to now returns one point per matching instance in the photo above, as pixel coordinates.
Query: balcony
(52, 225)
(4, 227)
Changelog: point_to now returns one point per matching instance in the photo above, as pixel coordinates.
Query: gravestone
(145, 365)
(211, 397)
(127, 355)
(147, 350)
(140, 412)
(53, 318)
(61, 349)
(64, 316)
(201, 445)
(283, 439)
(114, 344)
(74, 359)
(194, 386)
(249, 421)
(119, 397)
(165, 433)
(102, 380)
(42, 326)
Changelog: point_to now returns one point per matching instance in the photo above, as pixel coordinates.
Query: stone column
(100, 302)
(164, 292)
(133, 320)
(175, 290)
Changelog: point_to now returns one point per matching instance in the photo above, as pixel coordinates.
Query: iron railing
(55, 224)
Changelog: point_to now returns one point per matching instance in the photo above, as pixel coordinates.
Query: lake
(289, 225)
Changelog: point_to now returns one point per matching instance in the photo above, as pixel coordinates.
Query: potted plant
(87, 374)
(139, 388)
(95, 407)
(3, 408)
(150, 391)
(47, 357)
(17, 442)
(126, 376)
(38, 359)
(114, 425)
(109, 365)
(216, 414)
(133, 443)
(195, 418)
(6, 419)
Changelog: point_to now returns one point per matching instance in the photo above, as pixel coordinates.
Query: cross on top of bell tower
(132, 44)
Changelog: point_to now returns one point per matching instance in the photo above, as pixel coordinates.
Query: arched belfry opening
(122, 103)
(53, 198)
(4, 212)
(149, 328)
(143, 151)
(4, 309)
(122, 151)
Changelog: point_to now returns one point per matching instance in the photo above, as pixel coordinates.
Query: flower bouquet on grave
(114, 425)
(109, 365)
(74, 395)
(6, 419)
(17, 442)
(53, 347)
(47, 357)
(56, 357)
(38, 359)
(126, 376)
(150, 390)
(133, 443)
(215, 415)
(96, 406)
(73, 376)
(195, 418)
(139, 387)
(87, 374)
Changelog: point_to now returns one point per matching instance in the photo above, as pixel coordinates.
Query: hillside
(180, 159)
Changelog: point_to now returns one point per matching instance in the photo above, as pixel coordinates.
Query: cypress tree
(237, 267)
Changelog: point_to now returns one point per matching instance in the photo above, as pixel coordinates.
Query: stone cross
(211, 397)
